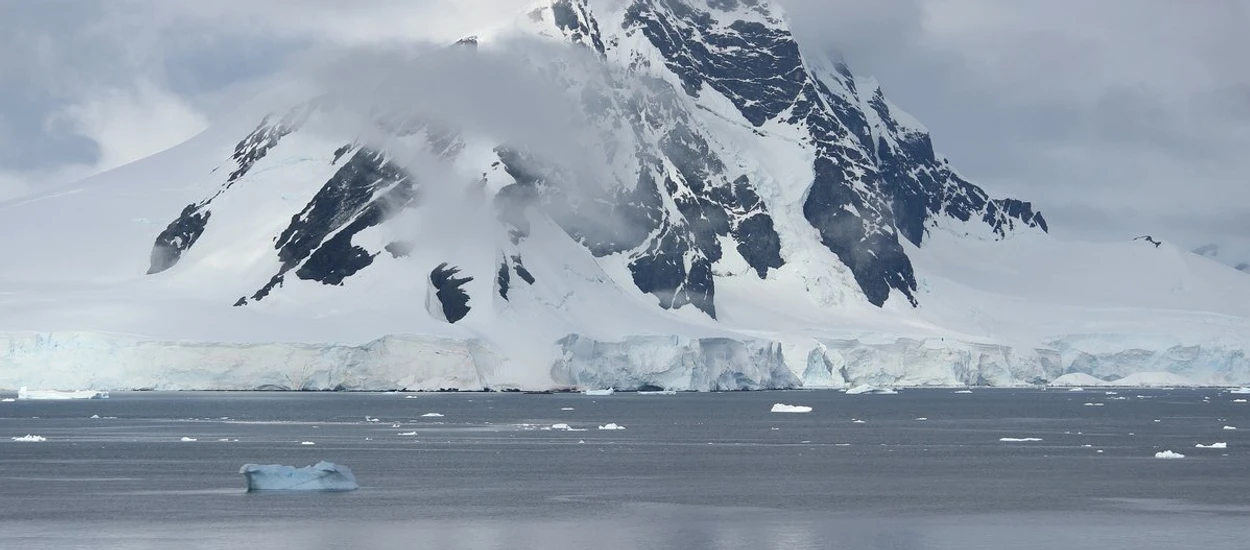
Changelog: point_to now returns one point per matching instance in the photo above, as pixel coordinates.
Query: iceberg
(612, 426)
(1221, 445)
(869, 389)
(608, 391)
(54, 395)
(1168, 454)
(1240, 391)
(1230, 428)
(322, 476)
(432, 415)
(1019, 439)
(784, 408)
(30, 438)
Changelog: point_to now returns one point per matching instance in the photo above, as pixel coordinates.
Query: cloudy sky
(1116, 117)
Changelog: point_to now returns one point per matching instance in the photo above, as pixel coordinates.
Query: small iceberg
(964, 391)
(1230, 428)
(1240, 391)
(1234, 401)
(866, 389)
(784, 408)
(1168, 454)
(188, 439)
(1095, 404)
(608, 391)
(612, 426)
(661, 392)
(1019, 439)
(566, 408)
(432, 415)
(307, 443)
(7, 400)
(322, 476)
(1221, 445)
(54, 395)
(407, 433)
(30, 438)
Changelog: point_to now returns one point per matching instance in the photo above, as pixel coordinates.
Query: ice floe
(54, 395)
(1168, 454)
(407, 433)
(432, 415)
(608, 391)
(566, 408)
(1019, 439)
(784, 408)
(611, 426)
(1230, 428)
(1220, 445)
(307, 443)
(322, 476)
(868, 389)
(28, 438)
(662, 392)
(188, 439)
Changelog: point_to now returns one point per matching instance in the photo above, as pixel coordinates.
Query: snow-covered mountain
(653, 193)
(1213, 251)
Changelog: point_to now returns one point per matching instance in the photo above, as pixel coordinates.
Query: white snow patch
(784, 408)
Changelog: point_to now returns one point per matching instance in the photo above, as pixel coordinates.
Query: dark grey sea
(924, 469)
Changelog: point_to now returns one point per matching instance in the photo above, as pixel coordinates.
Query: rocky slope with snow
(658, 193)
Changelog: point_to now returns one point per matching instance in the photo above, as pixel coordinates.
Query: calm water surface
(919, 470)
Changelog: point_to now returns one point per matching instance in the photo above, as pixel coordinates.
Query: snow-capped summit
(667, 193)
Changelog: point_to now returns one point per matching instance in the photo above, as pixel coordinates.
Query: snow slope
(667, 194)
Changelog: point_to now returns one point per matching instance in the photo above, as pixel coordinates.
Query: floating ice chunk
(964, 391)
(1112, 393)
(94, 416)
(1220, 445)
(566, 408)
(322, 476)
(188, 439)
(1234, 401)
(608, 391)
(431, 415)
(1095, 404)
(307, 443)
(407, 433)
(663, 392)
(1019, 439)
(784, 408)
(863, 389)
(7, 400)
(50, 395)
(856, 421)
(922, 418)
(411, 397)
(1230, 428)
(1168, 454)
(370, 419)
(1076, 389)
(1242, 390)
(30, 438)
(561, 426)
(611, 426)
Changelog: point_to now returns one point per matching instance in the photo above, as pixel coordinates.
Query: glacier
(322, 476)
(638, 201)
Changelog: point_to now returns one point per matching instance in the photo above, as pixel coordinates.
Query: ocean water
(919, 470)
